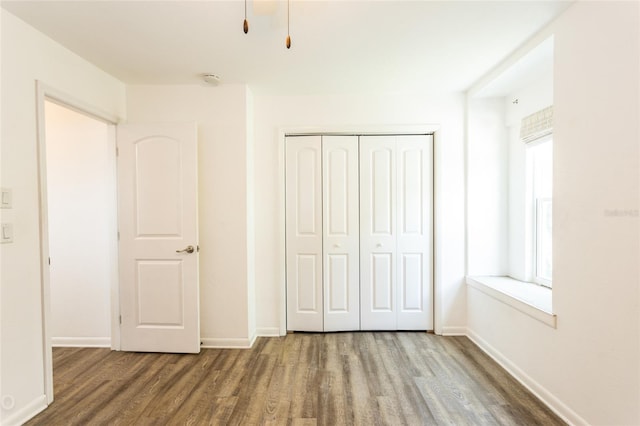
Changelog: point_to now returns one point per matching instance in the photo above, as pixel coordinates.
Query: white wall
(487, 188)
(27, 55)
(81, 198)
(588, 367)
(224, 157)
(336, 112)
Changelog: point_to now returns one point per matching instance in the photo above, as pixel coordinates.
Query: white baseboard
(25, 413)
(81, 342)
(550, 400)
(268, 332)
(454, 331)
(223, 343)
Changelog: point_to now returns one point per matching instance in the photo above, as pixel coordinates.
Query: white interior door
(304, 233)
(378, 193)
(341, 251)
(414, 232)
(157, 180)
(396, 232)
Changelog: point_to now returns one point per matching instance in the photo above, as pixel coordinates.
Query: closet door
(341, 234)
(414, 232)
(396, 232)
(378, 195)
(304, 233)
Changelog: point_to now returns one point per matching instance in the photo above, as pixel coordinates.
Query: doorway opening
(82, 223)
(78, 226)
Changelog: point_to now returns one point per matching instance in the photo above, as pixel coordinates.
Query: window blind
(537, 125)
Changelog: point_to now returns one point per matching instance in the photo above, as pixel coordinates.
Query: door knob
(189, 249)
(379, 245)
(337, 246)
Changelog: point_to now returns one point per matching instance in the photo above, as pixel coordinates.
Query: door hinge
(118, 235)
(117, 152)
(49, 261)
(120, 319)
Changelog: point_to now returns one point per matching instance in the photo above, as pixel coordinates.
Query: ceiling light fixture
(288, 43)
(245, 25)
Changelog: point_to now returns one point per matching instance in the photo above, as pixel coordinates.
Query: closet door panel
(304, 233)
(306, 284)
(337, 281)
(378, 194)
(414, 238)
(411, 276)
(382, 282)
(341, 233)
(381, 163)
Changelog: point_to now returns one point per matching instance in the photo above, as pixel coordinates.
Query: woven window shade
(537, 125)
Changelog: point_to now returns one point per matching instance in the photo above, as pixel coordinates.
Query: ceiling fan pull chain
(288, 42)
(245, 25)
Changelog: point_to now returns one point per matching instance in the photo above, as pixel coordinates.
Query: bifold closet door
(304, 233)
(396, 232)
(359, 232)
(322, 233)
(341, 277)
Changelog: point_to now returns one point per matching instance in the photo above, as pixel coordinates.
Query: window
(540, 157)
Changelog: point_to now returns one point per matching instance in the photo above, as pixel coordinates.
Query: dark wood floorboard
(362, 378)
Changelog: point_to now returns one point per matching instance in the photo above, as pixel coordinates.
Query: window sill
(531, 299)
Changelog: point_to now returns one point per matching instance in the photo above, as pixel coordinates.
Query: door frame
(431, 129)
(48, 93)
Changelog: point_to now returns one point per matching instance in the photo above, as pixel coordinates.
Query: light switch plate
(6, 233)
(6, 201)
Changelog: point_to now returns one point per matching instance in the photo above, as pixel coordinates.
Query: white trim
(27, 412)
(409, 129)
(81, 342)
(364, 130)
(531, 299)
(224, 343)
(465, 161)
(280, 232)
(75, 104)
(438, 194)
(268, 332)
(550, 400)
(44, 243)
(114, 273)
(45, 92)
(537, 232)
(454, 331)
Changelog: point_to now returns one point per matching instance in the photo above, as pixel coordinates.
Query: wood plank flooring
(362, 378)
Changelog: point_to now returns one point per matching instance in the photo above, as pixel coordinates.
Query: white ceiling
(338, 46)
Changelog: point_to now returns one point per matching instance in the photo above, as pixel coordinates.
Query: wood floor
(365, 378)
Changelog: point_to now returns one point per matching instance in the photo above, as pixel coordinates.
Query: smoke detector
(211, 79)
